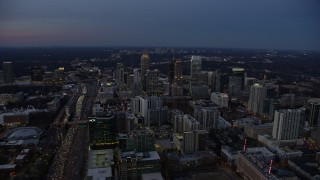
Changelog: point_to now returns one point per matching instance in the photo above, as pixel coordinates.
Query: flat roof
(8, 166)
(100, 173)
(23, 133)
(20, 157)
(153, 155)
(100, 158)
(164, 144)
(152, 176)
(259, 151)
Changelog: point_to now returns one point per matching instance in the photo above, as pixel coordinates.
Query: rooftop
(100, 158)
(152, 176)
(100, 173)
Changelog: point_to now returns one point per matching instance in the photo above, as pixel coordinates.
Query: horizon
(153, 47)
(283, 25)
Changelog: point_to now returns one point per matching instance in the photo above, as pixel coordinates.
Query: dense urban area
(159, 113)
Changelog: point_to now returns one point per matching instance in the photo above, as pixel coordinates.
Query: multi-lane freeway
(70, 158)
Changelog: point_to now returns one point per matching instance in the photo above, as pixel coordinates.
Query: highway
(71, 157)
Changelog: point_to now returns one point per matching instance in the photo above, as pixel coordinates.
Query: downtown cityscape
(160, 113)
(159, 90)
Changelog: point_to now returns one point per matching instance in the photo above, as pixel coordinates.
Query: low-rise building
(255, 163)
(133, 164)
(221, 99)
(253, 131)
(100, 164)
(241, 123)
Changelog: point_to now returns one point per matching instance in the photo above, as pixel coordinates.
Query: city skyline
(220, 24)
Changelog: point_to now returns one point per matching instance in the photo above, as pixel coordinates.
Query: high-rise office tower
(36, 73)
(130, 81)
(177, 71)
(119, 73)
(171, 70)
(145, 64)
(151, 82)
(236, 82)
(207, 114)
(313, 111)
(257, 95)
(136, 87)
(137, 76)
(102, 131)
(214, 78)
(317, 132)
(7, 72)
(287, 123)
(209, 118)
(196, 65)
(1, 77)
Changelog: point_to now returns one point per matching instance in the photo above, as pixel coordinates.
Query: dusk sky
(271, 24)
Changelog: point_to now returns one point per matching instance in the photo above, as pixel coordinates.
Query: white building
(207, 114)
(141, 105)
(221, 99)
(286, 123)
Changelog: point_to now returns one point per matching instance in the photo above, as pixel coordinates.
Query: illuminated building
(36, 73)
(100, 164)
(102, 133)
(59, 73)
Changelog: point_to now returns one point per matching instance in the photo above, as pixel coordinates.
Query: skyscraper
(137, 76)
(236, 82)
(207, 114)
(314, 111)
(171, 70)
(7, 72)
(287, 123)
(317, 132)
(36, 73)
(151, 82)
(257, 95)
(145, 64)
(136, 87)
(214, 78)
(177, 71)
(196, 65)
(102, 131)
(119, 73)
